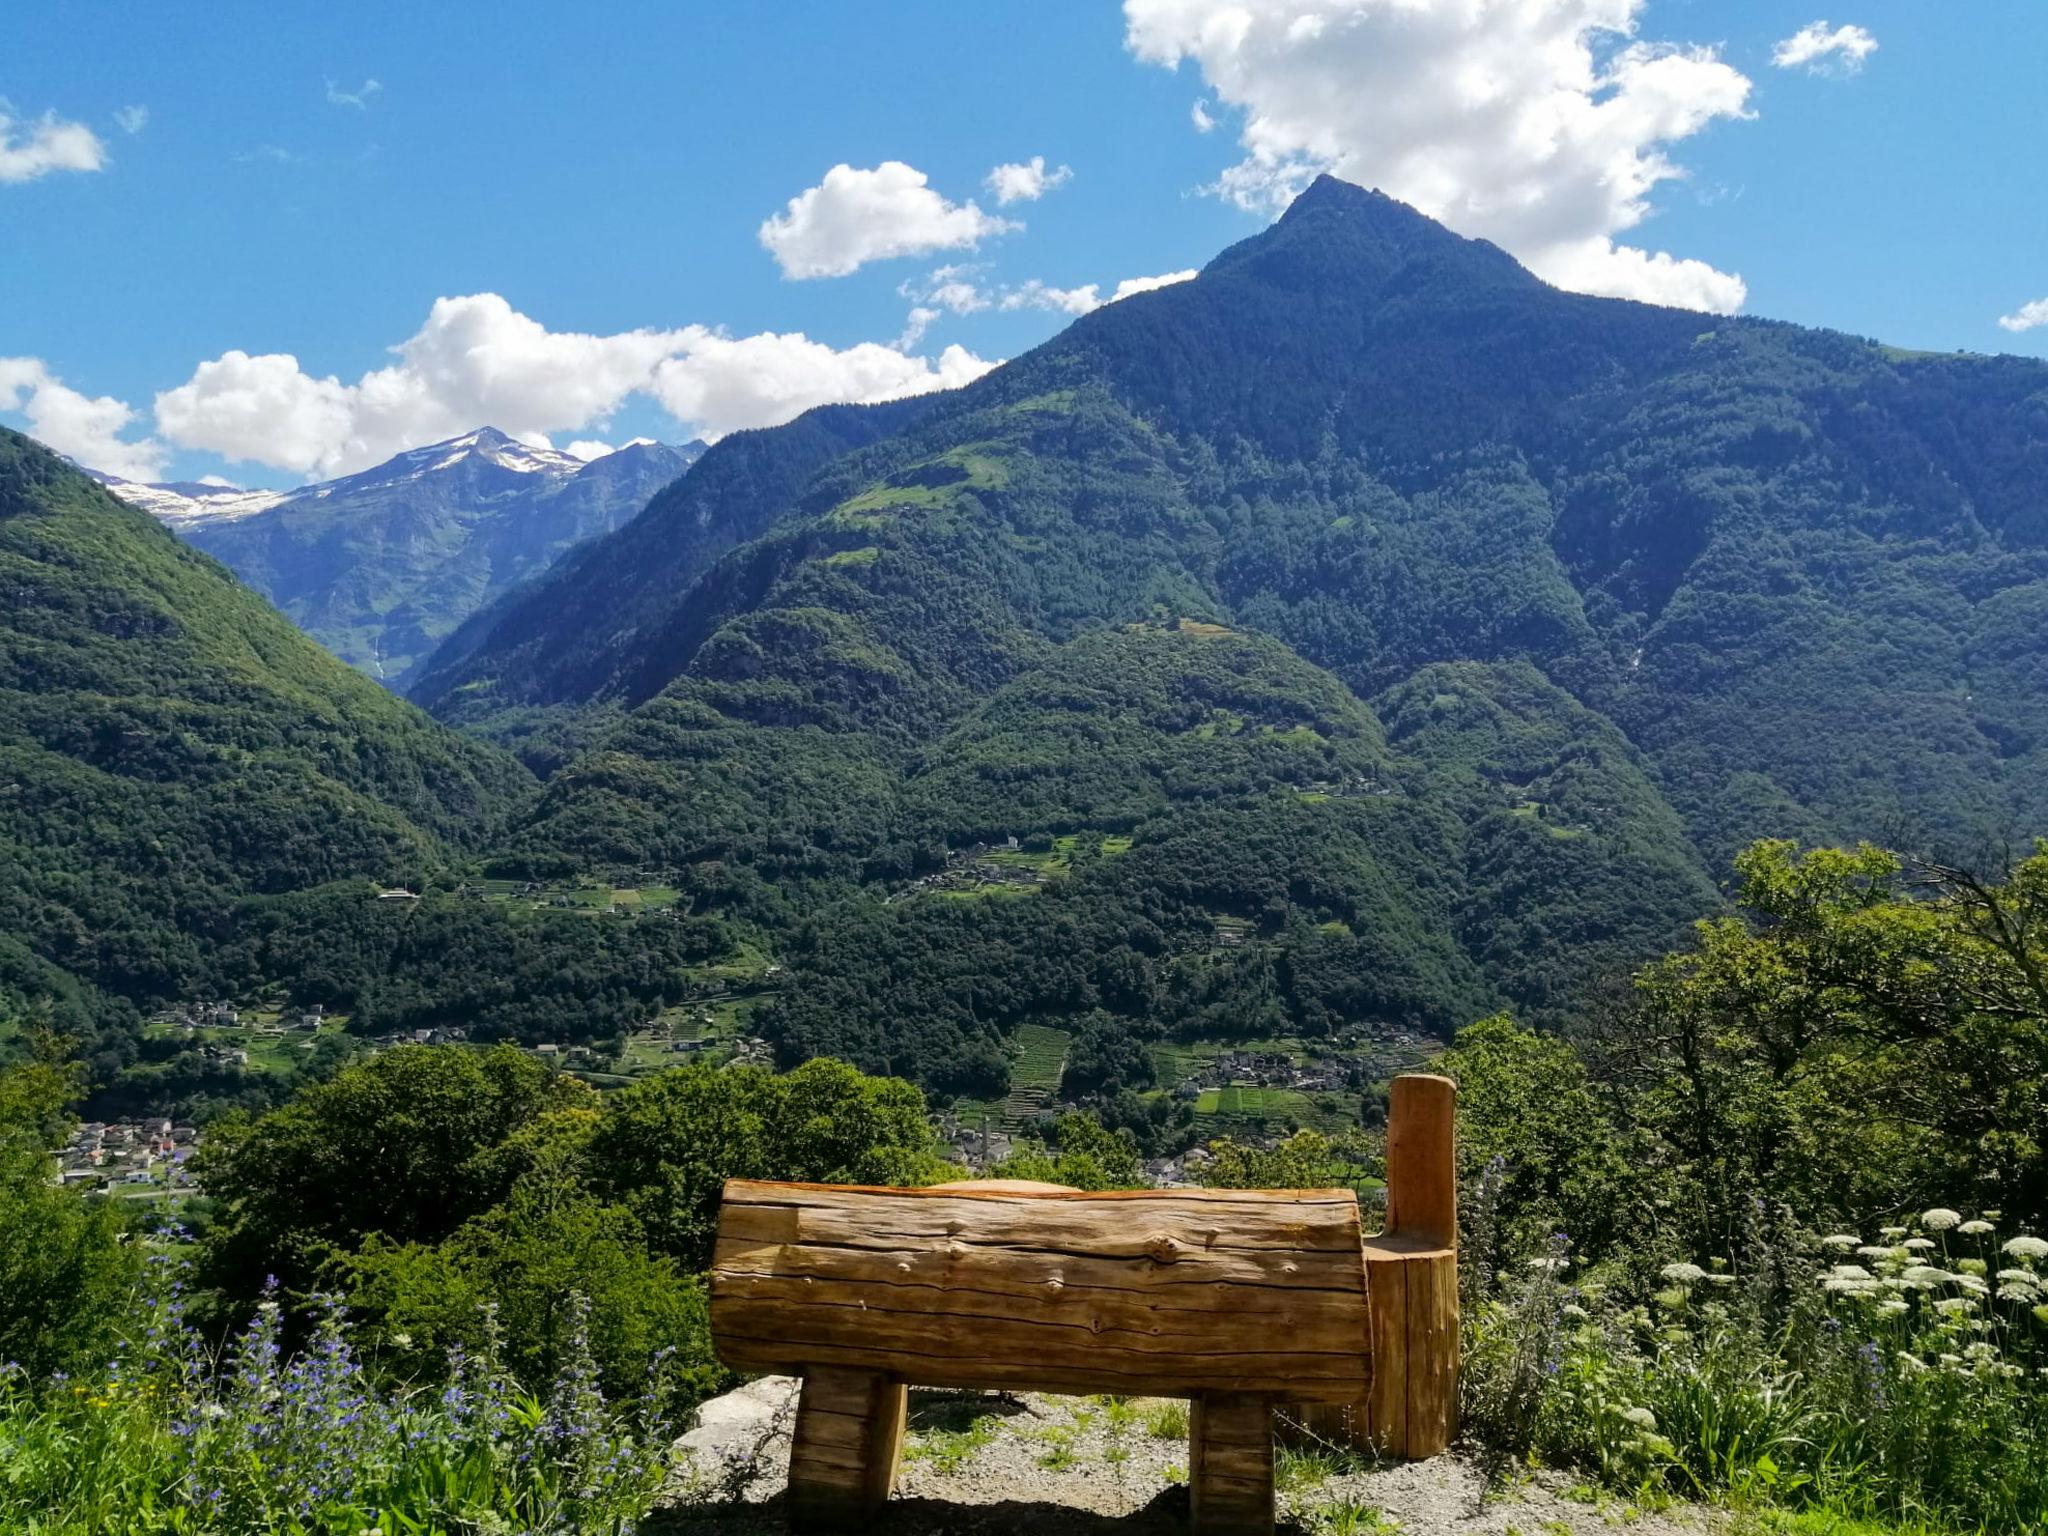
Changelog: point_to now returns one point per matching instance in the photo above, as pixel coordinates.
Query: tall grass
(1904, 1378)
(172, 1438)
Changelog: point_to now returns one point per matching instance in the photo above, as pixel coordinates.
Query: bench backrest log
(1153, 1292)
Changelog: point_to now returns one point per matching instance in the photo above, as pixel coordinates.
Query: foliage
(667, 1144)
(407, 1145)
(167, 1438)
(1851, 1043)
(1535, 1139)
(65, 1268)
(1904, 1379)
(1081, 1153)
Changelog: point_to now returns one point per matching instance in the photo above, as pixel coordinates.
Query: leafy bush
(167, 1437)
(1904, 1379)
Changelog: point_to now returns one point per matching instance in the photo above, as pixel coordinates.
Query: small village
(143, 1157)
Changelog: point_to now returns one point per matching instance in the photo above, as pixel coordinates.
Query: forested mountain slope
(1604, 591)
(169, 744)
(561, 639)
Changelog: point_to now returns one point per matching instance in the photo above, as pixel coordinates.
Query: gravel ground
(1063, 1466)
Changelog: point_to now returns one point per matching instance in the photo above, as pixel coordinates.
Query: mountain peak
(1337, 232)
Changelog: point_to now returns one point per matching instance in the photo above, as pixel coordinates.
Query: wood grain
(1161, 1292)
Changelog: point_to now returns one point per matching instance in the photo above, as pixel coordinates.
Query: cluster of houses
(1265, 1069)
(1357, 787)
(969, 869)
(106, 1154)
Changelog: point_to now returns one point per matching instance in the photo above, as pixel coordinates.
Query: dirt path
(1061, 1466)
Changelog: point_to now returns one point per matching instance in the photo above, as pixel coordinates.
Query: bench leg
(1230, 1465)
(843, 1454)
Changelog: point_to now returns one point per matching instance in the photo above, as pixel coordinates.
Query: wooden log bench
(1241, 1300)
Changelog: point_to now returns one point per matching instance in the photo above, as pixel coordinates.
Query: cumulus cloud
(2026, 317)
(856, 216)
(723, 384)
(1539, 124)
(955, 289)
(1037, 295)
(29, 149)
(1821, 51)
(359, 98)
(1131, 285)
(132, 119)
(479, 361)
(1026, 182)
(1085, 299)
(1200, 115)
(88, 429)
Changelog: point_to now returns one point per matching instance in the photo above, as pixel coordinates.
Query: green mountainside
(1441, 629)
(1354, 640)
(196, 801)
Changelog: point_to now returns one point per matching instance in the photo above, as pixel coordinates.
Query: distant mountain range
(380, 566)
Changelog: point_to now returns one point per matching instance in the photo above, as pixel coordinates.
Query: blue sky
(570, 177)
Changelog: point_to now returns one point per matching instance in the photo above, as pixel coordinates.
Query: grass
(1167, 1420)
(949, 1450)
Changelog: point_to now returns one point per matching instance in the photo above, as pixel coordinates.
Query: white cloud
(1539, 124)
(915, 324)
(2026, 317)
(87, 429)
(1026, 182)
(1131, 285)
(588, 449)
(49, 143)
(1087, 298)
(132, 119)
(1821, 52)
(950, 288)
(478, 361)
(359, 98)
(722, 384)
(1200, 115)
(1037, 295)
(856, 216)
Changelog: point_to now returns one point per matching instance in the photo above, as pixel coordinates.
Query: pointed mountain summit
(1620, 588)
(381, 565)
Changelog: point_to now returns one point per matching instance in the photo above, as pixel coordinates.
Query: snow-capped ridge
(190, 504)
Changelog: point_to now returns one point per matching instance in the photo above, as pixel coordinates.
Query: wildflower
(1981, 1351)
(1924, 1275)
(2019, 1276)
(1683, 1274)
(403, 1341)
(1841, 1242)
(1911, 1362)
(1974, 1228)
(1940, 1219)
(1955, 1306)
(1918, 1244)
(1575, 1312)
(1894, 1306)
(1975, 1267)
(1642, 1418)
(2027, 1247)
(1894, 1233)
